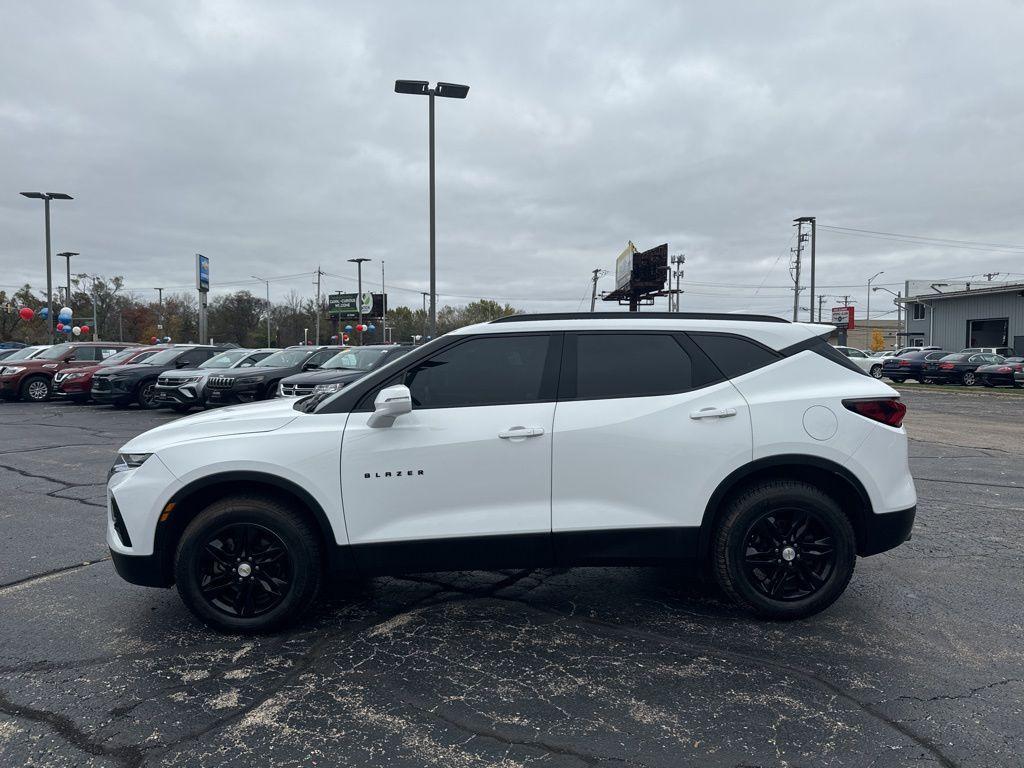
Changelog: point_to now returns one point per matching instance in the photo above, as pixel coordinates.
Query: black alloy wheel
(146, 396)
(789, 553)
(244, 570)
(783, 549)
(969, 379)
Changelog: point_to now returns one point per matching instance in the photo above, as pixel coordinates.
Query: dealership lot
(919, 663)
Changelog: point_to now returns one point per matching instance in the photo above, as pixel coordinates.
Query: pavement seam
(55, 571)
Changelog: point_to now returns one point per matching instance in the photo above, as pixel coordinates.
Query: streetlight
(46, 197)
(899, 311)
(450, 91)
(359, 296)
(867, 312)
(267, 283)
(67, 259)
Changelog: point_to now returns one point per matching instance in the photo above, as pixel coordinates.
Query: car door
(645, 429)
(465, 478)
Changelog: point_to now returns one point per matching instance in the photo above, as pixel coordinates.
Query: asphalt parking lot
(920, 663)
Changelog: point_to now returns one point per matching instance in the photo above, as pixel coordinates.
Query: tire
(145, 396)
(876, 371)
(35, 389)
(223, 596)
(987, 383)
(969, 379)
(813, 582)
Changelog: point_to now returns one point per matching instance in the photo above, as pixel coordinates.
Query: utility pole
(796, 266)
(359, 296)
(814, 243)
(821, 300)
(319, 273)
(867, 313)
(988, 275)
(593, 289)
(383, 306)
(160, 310)
(267, 284)
(67, 264)
(677, 261)
(425, 294)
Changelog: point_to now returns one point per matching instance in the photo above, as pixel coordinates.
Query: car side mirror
(310, 366)
(181, 364)
(390, 403)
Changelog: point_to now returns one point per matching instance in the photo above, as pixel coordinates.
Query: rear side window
(736, 355)
(819, 346)
(611, 365)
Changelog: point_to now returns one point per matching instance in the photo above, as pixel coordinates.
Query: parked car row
(182, 376)
(970, 366)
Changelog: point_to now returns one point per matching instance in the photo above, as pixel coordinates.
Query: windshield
(286, 358)
(356, 359)
(119, 357)
(226, 359)
(165, 356)
(54, 352)
(24, 353)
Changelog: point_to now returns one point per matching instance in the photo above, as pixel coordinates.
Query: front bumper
(111, 390)
(246, 393)
(9, 384)
(184, 395)
(887, 530)
(143, 570)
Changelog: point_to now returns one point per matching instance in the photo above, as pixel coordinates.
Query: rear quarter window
(737, 355)
(819, 346)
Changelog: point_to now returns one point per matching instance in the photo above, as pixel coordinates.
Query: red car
(33, 379)
(74, 384)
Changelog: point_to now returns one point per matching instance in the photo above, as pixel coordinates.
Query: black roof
(639, 316)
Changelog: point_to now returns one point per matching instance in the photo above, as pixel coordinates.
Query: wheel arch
(836, 480)
(193, 498)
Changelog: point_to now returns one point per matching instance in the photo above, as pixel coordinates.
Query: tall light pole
(359, 296)
(46, 197)
(899, 311)
(267, 283)
(867, 312)
(814, 247)
(450, 91)
(67, 263)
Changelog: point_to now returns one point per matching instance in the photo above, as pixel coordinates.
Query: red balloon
(153, 340)
(85, 329)
(60, 326)
(26, 313)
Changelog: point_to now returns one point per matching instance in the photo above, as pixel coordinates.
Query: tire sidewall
(302, 552)
(748, 509)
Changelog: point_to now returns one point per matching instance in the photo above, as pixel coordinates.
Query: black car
(910, 365)
(959, 368)
(125, 384)
(246, 385)
(1008, 373)
(342, 369)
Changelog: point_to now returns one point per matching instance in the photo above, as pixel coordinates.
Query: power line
(920, 240)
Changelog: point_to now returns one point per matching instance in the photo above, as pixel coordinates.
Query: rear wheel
(876, 371)
(36, 389)
(784, 550)
(969, 379)
(248, 564)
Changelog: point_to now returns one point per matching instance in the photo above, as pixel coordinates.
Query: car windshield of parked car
(25, 353)
(119, 357)
(356, 359)
(286, 358)
(54, 353)
(226, 359)
(165, 356)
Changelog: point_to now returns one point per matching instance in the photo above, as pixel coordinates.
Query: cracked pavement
(921, 662)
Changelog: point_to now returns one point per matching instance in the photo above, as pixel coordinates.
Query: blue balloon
(43, 313)
(348, 329)
(371, 327)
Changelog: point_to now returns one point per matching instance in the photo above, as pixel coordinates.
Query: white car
(864, 360)
(741, 442)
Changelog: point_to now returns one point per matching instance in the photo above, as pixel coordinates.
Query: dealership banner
(346, 306)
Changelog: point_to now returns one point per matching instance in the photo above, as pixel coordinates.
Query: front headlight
(188, 380)
(126, 461)
(250, 380)
(71, 376)
(321, 389)
(14, 369)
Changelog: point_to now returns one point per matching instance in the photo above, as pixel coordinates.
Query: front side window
(286, 358)
(630, 365)
(484, 371)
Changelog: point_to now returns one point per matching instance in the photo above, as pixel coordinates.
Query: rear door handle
(514, 432)
(713, 413)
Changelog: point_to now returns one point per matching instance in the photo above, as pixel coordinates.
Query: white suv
(742, 444)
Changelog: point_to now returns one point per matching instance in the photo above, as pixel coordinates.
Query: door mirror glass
(390, 403)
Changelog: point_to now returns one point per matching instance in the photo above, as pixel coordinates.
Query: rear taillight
(904, 363)
(1019, 368)
(1006, 369)
(946, 366)
(889, 411)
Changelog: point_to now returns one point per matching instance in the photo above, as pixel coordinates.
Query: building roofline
(985, 291)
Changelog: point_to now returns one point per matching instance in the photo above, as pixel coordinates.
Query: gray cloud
(267, 136)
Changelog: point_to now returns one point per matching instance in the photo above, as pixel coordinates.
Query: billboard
(202, 273)
(842, 317)
(346, 306)
(624, 267)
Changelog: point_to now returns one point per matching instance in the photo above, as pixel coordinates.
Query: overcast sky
(268, 137)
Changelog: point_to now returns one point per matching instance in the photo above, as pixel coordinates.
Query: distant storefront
(983, 315)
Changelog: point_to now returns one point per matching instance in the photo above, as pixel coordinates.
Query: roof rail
(639, 316)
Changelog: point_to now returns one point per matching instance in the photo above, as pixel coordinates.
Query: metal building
(983, 315)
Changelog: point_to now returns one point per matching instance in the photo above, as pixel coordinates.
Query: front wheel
(248, 564)
(36, 389)
(784, 550)
(146, 396)
(969, 379)
(876, 371)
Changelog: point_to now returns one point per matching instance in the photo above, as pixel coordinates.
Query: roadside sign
(202, 273)
(842, 317)
(346, 306)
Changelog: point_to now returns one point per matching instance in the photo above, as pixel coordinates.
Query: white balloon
(77, 330)
(65, 311)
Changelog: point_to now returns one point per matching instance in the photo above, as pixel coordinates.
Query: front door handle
(515, 432)
(713, 413)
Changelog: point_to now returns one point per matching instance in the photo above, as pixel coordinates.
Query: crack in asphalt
(955, 697)
(53, 572)
(53, 448)
(969, 482)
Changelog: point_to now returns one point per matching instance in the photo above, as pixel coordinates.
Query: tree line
(239, 317)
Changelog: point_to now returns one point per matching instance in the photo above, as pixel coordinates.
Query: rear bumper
(887, 530)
